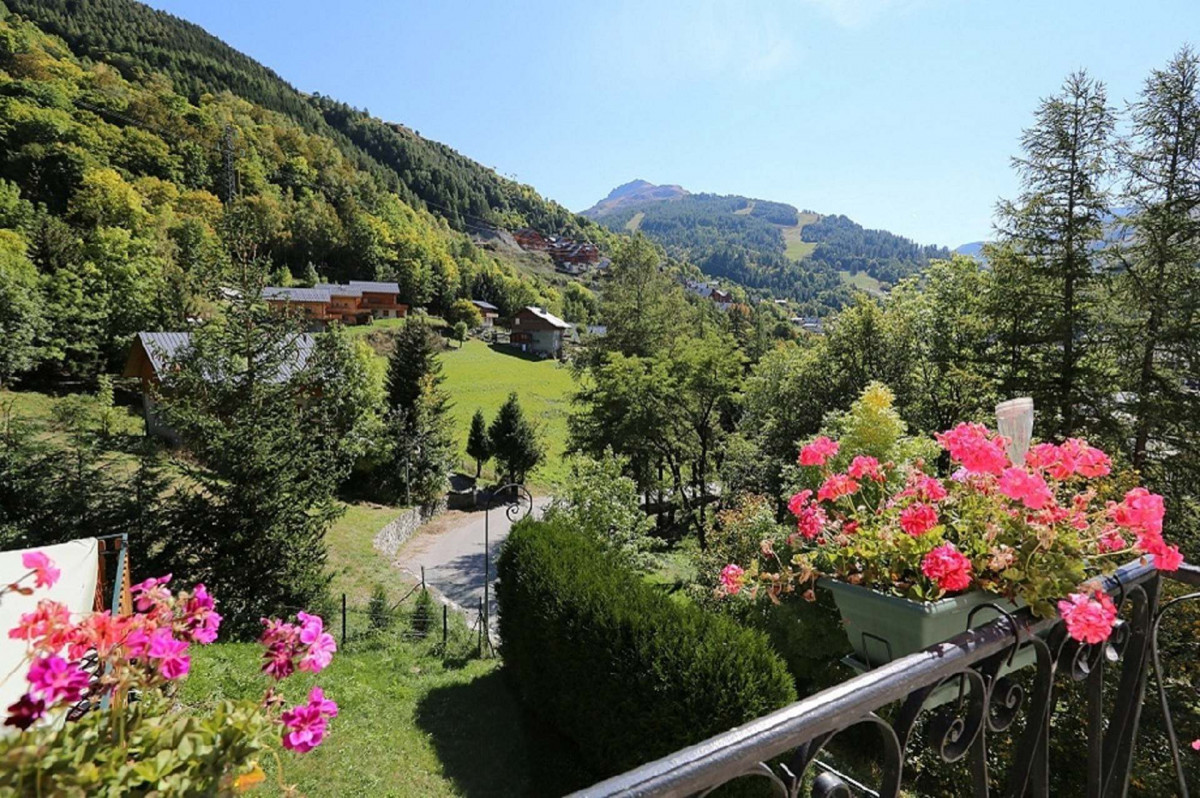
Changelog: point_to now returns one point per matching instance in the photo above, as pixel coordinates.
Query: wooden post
(445, 626)
(422, 577)
(343, 620)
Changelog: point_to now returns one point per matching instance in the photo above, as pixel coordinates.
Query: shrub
(617, 667)
(379, 610)
(423, 613)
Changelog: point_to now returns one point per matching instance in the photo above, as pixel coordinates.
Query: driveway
(450, 549)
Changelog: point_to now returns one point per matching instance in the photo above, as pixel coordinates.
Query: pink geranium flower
(26, 711)
(865, 467)
(798, 501)
(44, 572)
(48, 628)
(948, 567)
(1026, 487)
(1140, 510)
(1089, 619)
(916, 519)
(837, 486)
(732, 577)
(304, 728)
(173, 661)
(975, 447)
(318, 701)
(202, 619)
(811, 521)
(55, 679)
(818, 452)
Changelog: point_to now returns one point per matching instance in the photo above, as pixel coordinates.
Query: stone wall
(389, 539)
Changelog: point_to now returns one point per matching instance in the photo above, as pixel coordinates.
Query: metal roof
(376, 287)
(479, 303)
(317, 294)
(546, 316)
(165, 347)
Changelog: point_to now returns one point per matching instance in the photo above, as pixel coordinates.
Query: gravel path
(450, 548)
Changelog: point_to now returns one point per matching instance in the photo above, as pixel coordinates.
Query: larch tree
(1056, 225)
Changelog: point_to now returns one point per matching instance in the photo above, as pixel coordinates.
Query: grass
(480, 377)
(411, 722)
(796, 248)
(39, 407)
(674, 569)
(635, 221)
(863, 282)
(357, 566)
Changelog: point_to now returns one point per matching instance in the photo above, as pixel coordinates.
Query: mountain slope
(763, 244)
(138, 40)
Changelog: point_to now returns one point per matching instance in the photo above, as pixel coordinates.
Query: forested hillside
(126, 205)
(768, 245)
(138, 40)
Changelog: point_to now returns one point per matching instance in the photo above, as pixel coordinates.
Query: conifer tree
(1055, 227)
(419, 423)
(478, 444)
(515, 443)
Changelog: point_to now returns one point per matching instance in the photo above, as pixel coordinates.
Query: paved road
(450, 548)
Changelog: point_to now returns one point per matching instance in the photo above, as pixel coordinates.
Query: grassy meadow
(796, 248)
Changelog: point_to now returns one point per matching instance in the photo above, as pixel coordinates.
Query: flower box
(883, 628)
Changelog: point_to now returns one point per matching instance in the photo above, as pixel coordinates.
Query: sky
(901, 114)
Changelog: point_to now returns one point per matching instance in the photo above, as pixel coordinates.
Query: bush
(423, 613)
(617, 667)
(379, 610)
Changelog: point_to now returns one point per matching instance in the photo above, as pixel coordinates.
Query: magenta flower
(55, 679)
(731, 578)
(203, 621)
(865, 467)
(948, 567)
(798, 501)
(173, 662)
(28, 710)
(319, 654)
(818, 452)
(916, 519)
(975, 448)
(44, 572)
(811, 521)
(317, 700)
(1026, 487)
(304, 728)
(1089, 619)
(1141, 511)
(1196, 745)
(151, 593)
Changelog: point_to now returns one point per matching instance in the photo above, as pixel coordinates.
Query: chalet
(153, 356)
(381, 299)
(531, 239)
(535, 330)
(487, 311)
(358, 302)
(573, 257)
(810, 324)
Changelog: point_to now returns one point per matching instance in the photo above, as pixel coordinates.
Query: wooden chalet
(531, 239)
(488, 311)
(358, 302)
(381, 299)
(535, 330)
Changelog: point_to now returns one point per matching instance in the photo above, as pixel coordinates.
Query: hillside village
(333, 462)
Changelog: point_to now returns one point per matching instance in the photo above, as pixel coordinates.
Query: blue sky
(901, 114)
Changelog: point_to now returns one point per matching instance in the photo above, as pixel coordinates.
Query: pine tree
(419, 422)
(1158, 293)
(1056, 226)
(414, 360)
(515, 443)
(478, 444)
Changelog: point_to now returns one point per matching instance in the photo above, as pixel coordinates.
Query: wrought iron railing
(783, 747)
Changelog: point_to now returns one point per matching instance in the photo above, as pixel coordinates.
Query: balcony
(999, 728)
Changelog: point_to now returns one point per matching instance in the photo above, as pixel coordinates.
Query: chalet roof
(479, 303)
(162, 348)
(375, 287)
(337, 289)
(548, 317)
(318, 294)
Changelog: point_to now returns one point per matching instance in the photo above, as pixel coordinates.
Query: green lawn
(37, 406)
(796, 248)
(478, 376)
(356, 565)
(863, 282)
(410, 722)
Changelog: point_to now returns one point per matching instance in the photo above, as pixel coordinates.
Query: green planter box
(882, 627)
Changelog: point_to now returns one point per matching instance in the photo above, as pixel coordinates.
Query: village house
(531, 239)
(535, 330)
(153, 355)
(359, 302)
(487, 311)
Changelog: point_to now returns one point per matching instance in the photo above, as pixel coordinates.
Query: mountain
(974, 248)
(633, 193)
(138, 40)
(765, 245)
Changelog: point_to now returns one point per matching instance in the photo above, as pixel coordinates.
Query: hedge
(625, 672)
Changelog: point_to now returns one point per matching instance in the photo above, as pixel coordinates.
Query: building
(573, 257)
(535, 330)
(358, 302)
(487, 311)
(382, 299)
(153, 356)
(531, 239)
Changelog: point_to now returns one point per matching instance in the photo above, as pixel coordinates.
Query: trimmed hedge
(616, 666)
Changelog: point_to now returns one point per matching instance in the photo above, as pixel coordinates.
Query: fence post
(422, 577)
(343, 620)
(481, 630)
(445, 626)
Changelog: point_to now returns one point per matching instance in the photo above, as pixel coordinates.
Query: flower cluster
(1032, 531)
(106, 655)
